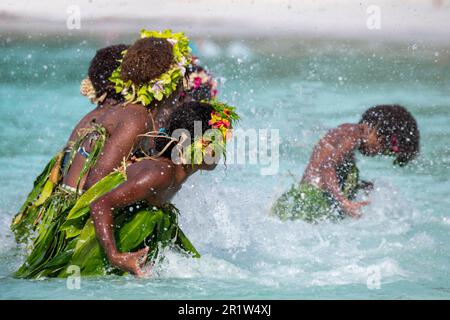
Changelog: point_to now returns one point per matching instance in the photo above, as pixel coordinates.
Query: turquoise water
(302, 88)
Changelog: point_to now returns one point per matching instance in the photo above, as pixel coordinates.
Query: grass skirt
(66, 235)
(312, 204)
(55, 223)
(25, 222)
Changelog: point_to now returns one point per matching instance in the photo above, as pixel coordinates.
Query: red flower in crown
(221, 123)
(226, 123)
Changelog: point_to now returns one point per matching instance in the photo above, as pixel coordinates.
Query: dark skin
(330, 153)
(124, 124)
(85, 122)
(153, 181)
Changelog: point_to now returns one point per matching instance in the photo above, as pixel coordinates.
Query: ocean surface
(302, 87)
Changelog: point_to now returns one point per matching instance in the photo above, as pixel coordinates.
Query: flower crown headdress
(200, 79)
(162, 86)
(222, 118)
(222, 121)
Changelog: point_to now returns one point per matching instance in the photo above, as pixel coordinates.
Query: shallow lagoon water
(302, 88)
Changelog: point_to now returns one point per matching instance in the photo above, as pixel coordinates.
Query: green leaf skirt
(312, 204)
(25, 221)
(306, 202)
(65, 235)
(55, 223)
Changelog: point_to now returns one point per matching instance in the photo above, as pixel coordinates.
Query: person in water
(100, 91)
(129, 209)
(97, 86)
(331, 178)
(156, 181)
(150, 78)
(89, 136)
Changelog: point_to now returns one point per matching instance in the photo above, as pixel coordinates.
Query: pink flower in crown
(218, 125)
(197, 82)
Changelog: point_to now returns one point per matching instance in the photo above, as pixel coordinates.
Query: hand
(130, 261)
(352, 208)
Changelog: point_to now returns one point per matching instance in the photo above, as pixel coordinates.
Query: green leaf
(101, 187)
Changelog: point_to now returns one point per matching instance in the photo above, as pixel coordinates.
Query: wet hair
(204, 91)
(397, 128)
(184, 118)
(146, 59)
(105, 61)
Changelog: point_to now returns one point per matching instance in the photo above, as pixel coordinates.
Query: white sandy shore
(407, 20)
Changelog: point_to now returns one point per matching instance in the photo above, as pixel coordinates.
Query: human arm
(137, 187)
(331, 184)
(332, 151)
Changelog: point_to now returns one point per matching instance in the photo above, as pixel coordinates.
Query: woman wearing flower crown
(129, 209)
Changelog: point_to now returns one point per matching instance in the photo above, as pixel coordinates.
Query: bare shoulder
(132, 118)
(344, 130)
(348, 127)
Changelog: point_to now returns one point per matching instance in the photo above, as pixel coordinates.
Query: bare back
(123, 125)
(86, 121)
(331, 151)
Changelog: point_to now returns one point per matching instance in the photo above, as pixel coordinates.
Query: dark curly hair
(397, 128)
(184, 118)
(146, 59)
(105, 61)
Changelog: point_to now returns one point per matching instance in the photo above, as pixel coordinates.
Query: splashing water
(397, 250)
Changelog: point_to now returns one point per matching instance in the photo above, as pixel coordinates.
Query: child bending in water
(330, 181)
